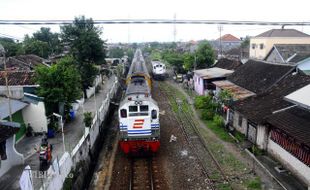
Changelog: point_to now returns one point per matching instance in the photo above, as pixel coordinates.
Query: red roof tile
(229, 37)
(18, 78)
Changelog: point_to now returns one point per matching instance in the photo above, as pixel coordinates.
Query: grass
(254, 183)
(219, 131)
(239, 136)
(228, 161)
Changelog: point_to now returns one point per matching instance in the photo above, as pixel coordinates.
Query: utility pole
(220, 28)
(2, 51)
(174, 27)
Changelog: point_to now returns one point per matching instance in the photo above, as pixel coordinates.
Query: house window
(253, 46)
(240, 121)
(261, 46)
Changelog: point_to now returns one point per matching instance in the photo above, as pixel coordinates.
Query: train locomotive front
(138, 112)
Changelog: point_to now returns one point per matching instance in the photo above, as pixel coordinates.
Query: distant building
(227, 42)
(293, 54)
(261, 44)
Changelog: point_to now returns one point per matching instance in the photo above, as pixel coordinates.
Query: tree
(116, 52)
(205, 55)
(52, 39)
(60, 83)
(11, 47)
(175, 59)
(86, 47)
(84, 41)
(37, 47)
(189, 61)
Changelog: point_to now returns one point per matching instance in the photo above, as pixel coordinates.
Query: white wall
(243, 128)
(16, 91)
(291, 163)
(13, 157)
(91, 90)
(35, 115)
(261, 136)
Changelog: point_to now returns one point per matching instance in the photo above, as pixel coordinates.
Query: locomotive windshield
(143, 110)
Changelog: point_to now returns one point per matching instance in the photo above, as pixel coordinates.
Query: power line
(154, 21)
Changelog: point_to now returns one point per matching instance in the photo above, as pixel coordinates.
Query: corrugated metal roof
(300, 97)
(15, 106)
(237, 91)
(214, 72)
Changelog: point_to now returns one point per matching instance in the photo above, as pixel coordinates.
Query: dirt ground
(235, 150)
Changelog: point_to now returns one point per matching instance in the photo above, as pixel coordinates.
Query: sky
(248, 10)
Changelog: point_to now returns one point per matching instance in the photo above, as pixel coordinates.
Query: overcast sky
(259, 10)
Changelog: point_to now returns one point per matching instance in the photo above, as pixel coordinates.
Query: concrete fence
(58, 172)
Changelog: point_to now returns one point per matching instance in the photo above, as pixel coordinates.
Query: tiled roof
(18, 78)
(259, 107)
(258, 76)
(229, 64)
(294, 122)
(288, 50)
(283, 33)
(229, 38)
(8, 129)
(24, 62)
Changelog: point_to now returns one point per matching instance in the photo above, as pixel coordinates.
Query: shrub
(207, 114)
(218, 121)
(88, 118)
(202, 102)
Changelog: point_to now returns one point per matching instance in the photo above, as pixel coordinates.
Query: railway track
(141, 176)
(212, 169)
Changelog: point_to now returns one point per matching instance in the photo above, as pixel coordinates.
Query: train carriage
(138, 112)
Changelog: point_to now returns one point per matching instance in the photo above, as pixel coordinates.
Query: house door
(251, 135)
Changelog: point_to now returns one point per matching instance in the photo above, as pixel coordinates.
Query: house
(24, 62)
(203, 79)
(9, 157)
(248, 115)
(258, 76)
(227, 42)
(241, 83)
(289, 134)
(22, 88)
(261, 44)
(18, 81)
(229, 64)
(294, 54)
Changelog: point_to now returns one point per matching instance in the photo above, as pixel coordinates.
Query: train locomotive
(138, 112)
(158, 70)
